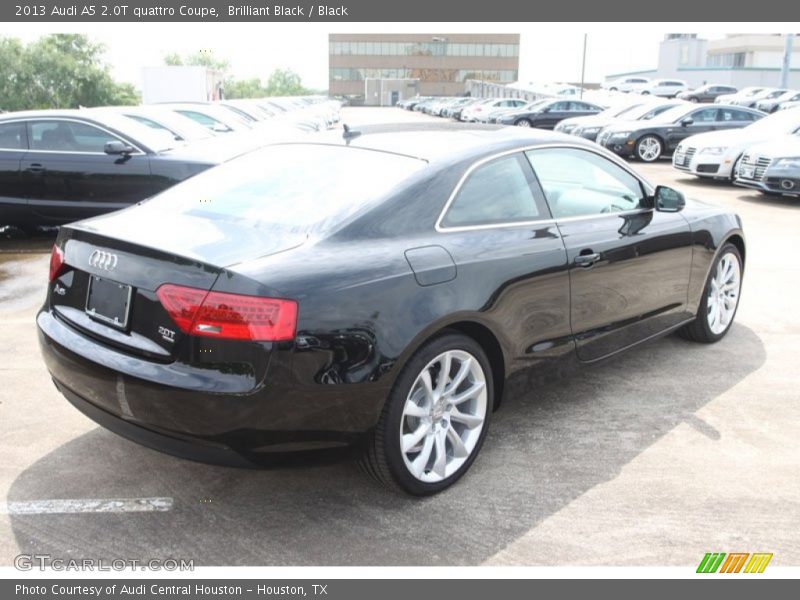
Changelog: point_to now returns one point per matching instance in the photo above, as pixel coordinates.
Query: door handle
(587, 260)
(35, 168)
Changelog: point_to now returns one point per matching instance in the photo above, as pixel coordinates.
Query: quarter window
(579, 183)
(12, 136)
(499, 191)
(68, 136)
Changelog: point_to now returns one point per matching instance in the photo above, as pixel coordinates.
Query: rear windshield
(296, 187)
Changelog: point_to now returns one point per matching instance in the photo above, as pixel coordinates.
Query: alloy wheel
(523, 123)
(723, 293)
(443, 416)
(649, 149)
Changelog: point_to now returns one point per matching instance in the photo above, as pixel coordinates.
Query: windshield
(617, 111)
(299, 188)
(671, 115)
(156, 140)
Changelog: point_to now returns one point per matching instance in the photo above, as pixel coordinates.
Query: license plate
(109, 301)
(747, 172)
(680, 159)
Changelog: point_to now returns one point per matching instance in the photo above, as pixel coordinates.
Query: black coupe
(385, 288)
(58, 166)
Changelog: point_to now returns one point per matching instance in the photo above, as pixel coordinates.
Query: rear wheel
(694, 99)
(649, 148)
(435, 418)
(720, 299)
(523, 123)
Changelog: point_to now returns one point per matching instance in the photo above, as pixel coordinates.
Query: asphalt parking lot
(654, 458)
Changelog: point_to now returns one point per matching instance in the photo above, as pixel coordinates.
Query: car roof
(437, 142)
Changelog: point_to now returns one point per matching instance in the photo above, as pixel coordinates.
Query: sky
(548, 51)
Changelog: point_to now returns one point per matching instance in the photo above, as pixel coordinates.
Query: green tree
(285, 82)
(244, 88)
(58, 71)
(201, 58)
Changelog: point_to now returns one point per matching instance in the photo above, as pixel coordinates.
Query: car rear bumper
(144, 401)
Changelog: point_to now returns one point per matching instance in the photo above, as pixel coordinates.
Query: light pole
(787, 60)
(583, 63)
(442, 52)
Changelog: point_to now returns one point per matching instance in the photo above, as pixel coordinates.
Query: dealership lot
(654, 458)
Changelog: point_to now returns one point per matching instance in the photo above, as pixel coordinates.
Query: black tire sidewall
(702, 313)
(396, 403)
(519, 122)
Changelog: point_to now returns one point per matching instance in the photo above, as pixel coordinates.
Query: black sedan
(65, 165)
(650, 140)
(385, 290)
(547, 115)
(707, 93)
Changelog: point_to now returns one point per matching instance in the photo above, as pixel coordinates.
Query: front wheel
(720, 299)
(523, 123)
(649, 148)
(435, 418)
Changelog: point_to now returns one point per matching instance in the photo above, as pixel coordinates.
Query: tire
(693, 99)
(612, 89)
(523, 123)
(645, 93)
(412, 471)
(735, 168)
(702, 329)
(649, 148)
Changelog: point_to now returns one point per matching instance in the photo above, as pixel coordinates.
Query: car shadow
(545, 449)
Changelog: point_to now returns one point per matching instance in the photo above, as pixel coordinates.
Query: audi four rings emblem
(101, 259)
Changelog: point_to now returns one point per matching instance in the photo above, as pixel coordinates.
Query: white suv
(666, 88)
(624, 84)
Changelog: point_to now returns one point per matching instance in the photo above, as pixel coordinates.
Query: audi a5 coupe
(64, 165)
(649, 140)
(384, 289)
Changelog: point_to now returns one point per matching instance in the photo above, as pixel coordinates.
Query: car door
(628, 264)
(13, 146)
(697, 121)
(68, 175)
(557, 112)
(510, 260)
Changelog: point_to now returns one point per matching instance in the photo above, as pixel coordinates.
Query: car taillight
(57, 265)
(229, 316)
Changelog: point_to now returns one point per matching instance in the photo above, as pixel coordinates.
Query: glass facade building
(440, 62)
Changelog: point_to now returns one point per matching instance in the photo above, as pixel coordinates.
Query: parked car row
(58, 166)
(764, 155)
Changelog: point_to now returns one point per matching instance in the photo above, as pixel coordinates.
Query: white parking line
(86, 505)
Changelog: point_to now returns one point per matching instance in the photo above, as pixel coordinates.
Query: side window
(560, 106)
(500, 191)
(68, 136)
(578, 183)
(12, 136)
(727, 114)
(707, 115)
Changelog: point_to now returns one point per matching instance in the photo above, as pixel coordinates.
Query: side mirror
(220, 128)
(546, 109)
(668, 200)
(687, 121)
(117, 147)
